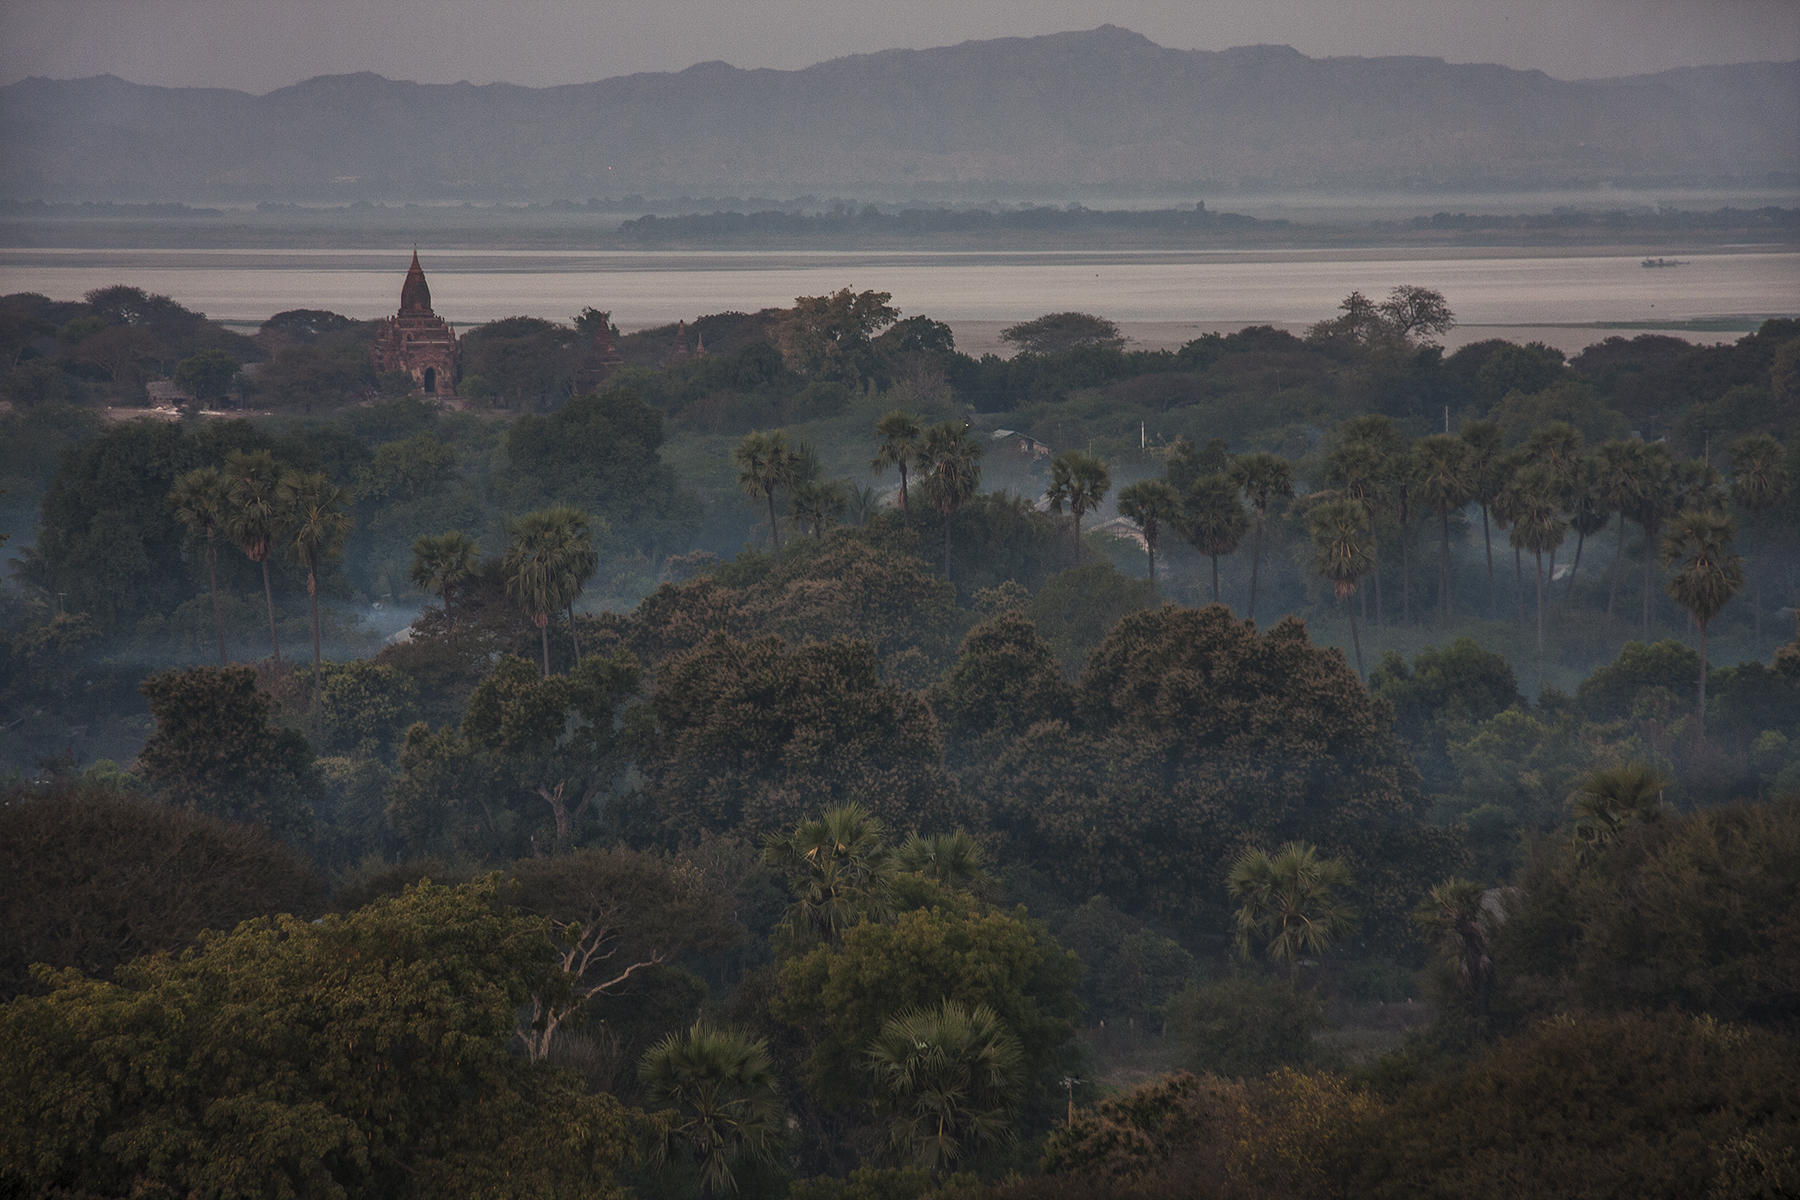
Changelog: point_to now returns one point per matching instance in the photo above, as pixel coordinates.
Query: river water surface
(1160, 297)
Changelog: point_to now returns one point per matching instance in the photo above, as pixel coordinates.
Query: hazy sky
(260, 45)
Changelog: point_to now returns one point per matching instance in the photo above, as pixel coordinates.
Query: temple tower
(418, 341)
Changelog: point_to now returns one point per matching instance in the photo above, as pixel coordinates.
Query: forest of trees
(839, 768)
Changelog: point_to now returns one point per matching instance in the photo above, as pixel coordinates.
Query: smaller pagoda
(418, 341)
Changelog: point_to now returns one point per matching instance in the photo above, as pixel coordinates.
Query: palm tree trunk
(312, 597)
(212, 574)
(774, 529)
(269, 598)
(946, 547)
(1649, 550)
(573, 636)
(543, 625)
(1355, 639)
(1612, 587)
(1702, 709)
(1255, 562)
(1405, 580)
(1487, 545)
(1540, 618)
(1215, 565)
(1444, 599)
(1150, 547)
(1375, 558)
(903, 507)
(1580, 541)
(1519, 584)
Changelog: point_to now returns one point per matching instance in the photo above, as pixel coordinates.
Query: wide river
(1160, 297)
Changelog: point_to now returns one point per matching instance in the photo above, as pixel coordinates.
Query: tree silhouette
(200, 502)
(902, 438)
(1441, 479)
(548, 558)
(1758, 483)
(254, 519)
(1288, 902)
(766, 462)
(1486, 477)
(1605, 801)
(948, 1080)
(1539, 527)
(1150, 504)
(839, 867)
(720, 1084)
(950, 465)
(1706, 574)
(1342, 554)
(443, 564)
(1078, 482)
(1262, 478)
(1213, 520)
(1356, 468)
(318, 517)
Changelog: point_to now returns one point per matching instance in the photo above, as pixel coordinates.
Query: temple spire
(415, 294)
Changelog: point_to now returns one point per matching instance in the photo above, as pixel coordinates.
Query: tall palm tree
(319, 520)
(720, 1084)
(1589, 512)
(1392, 494)
(1078, 483)
(839, 868)
(1707, 573)
(254, 518)
(1213, 520)
(1289, 902)
(1486, 478)
(1356, 468)
(443, 564)
(1343, 554)
(1621, 489)
(950, 465)
(1150, 504)
(1441, 479)
(1454, 914)
(955, 858)
(1658, 497)
(816, 503)
(1758, 483)
(902, 437)
(539, 568)
(577, 559)
(766, 462)
(1262, 478)
(1539, 527)
(949, 1081)
(200, 502)
(1605, 801)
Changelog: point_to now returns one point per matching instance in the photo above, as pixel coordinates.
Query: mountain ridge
(1082, 109)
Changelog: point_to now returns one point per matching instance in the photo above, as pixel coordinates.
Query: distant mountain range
(1103, 108)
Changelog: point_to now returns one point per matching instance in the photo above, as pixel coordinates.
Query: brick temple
(418, 341)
